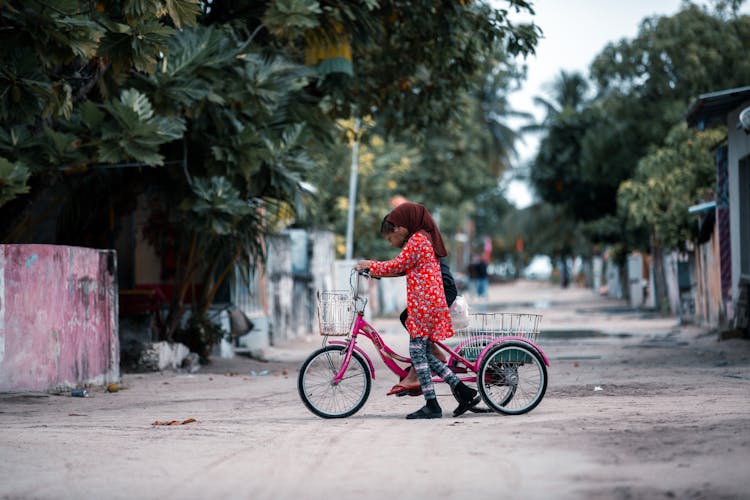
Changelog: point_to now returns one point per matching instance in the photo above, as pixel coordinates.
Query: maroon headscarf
(415, 218)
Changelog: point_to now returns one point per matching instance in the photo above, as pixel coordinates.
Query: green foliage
(647, 83)
(489, 215)
(643, 88)
(413, 60)
(691, 52)
(244, 135)
(668, 181)
(183, 12)
(382, 164)
(217, 207)
(25, 88)
(568, 96)
(196, 62)
(55, 55)
(291, 18)
(246, 153)
(562, 172)
(51, 32)
(18, 143)
(13, 177)
(135, 132)
(103, 43)
(453, 170)
(550, 230)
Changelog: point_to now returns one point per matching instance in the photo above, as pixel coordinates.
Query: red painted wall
(58, 317)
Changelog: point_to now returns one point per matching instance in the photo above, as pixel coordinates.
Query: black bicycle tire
(356, 357)
(501, 408)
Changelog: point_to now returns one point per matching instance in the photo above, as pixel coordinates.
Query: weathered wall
(58, 317)
(322, 260)
(298, 263)
(280, 288)
(709, 308)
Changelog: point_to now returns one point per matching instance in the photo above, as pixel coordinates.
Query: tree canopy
(226, 118)
(668, 181)
(642, 88)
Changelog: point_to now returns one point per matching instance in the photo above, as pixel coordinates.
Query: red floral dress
(428, 314)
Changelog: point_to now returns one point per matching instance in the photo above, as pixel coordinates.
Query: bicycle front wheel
(326, 399)
(512, 378)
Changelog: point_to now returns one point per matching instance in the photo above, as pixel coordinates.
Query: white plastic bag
(460, 313)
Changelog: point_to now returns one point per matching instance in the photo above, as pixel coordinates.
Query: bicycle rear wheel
(326, 399)
(512, 378)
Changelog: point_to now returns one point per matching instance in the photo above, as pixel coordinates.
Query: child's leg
(418, 350)
(440, 368)
(465, 395)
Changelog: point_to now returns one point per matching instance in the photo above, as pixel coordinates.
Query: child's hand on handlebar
(363, 265)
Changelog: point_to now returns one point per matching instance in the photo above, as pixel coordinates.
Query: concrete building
(724, 107)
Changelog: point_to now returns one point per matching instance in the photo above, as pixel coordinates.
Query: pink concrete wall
(58, 317)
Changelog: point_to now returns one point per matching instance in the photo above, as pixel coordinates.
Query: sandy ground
(637, 407)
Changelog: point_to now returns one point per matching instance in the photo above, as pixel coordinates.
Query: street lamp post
(352, 192)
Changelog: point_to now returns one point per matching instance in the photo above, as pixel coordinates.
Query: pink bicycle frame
(491, 342)
(390, 357)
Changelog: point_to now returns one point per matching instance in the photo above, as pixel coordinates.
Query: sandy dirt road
(636, 408)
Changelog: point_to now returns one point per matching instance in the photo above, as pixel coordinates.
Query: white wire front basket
(486, 327)
(335, 313)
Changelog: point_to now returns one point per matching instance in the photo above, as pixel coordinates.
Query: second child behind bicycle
(428, 314)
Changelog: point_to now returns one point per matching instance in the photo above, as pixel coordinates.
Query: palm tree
(568, 95)
(495, 113)
(556, 171)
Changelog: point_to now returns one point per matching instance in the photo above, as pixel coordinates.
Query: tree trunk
(184, 278)
(661, 302)
(217, 283)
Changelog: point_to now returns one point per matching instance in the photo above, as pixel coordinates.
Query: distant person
(483, 280)
(471, 271)
(478, 277)
(564, 273)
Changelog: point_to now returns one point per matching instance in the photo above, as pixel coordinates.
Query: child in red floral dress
(428, 314)
(415, 218)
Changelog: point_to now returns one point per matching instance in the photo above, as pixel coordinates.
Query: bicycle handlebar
(366, 274)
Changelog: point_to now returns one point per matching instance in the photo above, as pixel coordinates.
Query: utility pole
(352, 192)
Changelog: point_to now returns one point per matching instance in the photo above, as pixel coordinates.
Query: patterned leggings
(425, 362)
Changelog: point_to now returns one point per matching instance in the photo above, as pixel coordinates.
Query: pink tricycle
(497, 351)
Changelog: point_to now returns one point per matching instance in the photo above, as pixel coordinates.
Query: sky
(574, 32)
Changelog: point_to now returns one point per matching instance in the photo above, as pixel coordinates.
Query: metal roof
(702, 207)
(711, 109)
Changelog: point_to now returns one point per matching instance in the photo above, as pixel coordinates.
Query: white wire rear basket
(335, 313)
(485, 327)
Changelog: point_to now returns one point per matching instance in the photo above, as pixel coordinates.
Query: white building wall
(739, 147)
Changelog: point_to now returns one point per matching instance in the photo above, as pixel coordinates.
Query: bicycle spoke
(513, 379)
(325, 398)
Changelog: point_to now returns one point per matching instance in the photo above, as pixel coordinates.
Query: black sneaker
(425, 412)
(464, 407)
(467, 398)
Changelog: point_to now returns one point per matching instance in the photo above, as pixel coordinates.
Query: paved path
(637, 407)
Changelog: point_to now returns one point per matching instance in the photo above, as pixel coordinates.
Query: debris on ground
(174, 422)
